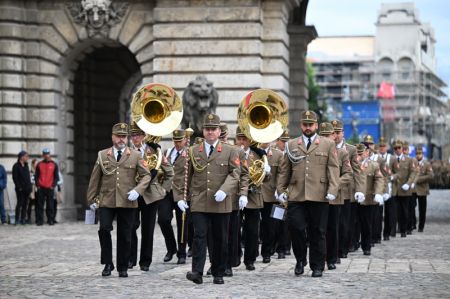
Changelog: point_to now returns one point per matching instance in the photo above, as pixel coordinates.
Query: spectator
(3, 181)
(33, 196)
(22, 181)
(46, 178)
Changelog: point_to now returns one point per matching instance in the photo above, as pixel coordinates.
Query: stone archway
(101, 97)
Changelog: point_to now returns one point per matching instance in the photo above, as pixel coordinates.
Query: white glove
(330, 197)
(267, 169)
(220, 196)
(360, 197)
(182, 204)
(391, 178)
(282, 198)
(379, 199)
(386, 196)
(93, 206)
(243, 201)
(390, 189)
(405, 187)
(413, 185)
(133, 195)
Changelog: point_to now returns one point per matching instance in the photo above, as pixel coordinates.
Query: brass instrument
(262, 117)
(157, 110)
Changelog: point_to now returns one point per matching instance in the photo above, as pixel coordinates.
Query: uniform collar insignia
(299, 142)
(219, 147)
(109, 152)
(270, 153)
(317, 141)
(200, 148)
(128, 151)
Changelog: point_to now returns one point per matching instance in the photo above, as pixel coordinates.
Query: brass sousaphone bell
(262, 117)
(157, 110)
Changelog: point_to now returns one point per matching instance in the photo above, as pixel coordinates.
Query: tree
(313, 94)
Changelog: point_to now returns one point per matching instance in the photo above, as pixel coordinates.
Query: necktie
(119, 155)
(211, 149)
(398, 159)
(309, 144)
(176, 157)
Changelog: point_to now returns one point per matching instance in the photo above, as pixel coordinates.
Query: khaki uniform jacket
(221, 172)
(275, 158)
(314, 175)
(113, 182)
(359, 179)
(179, 173)
(374, 181)
(255, 197)
(385, 170)
(160, 184)
(346, 175)
(243, 181)
(404, 172)
(424, 175)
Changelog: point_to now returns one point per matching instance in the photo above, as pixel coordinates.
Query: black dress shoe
(338, 260)
(281, 255)
(189, 253)
(266, 259)
(378, 241)
(343, 256)
(209, 271)
(194, 277)
(168, 257)
(409, 232)
(299, 269)
(228, 273)
(316, 273)
(366, 252)
(145, 268)
(123, 274)
(386, 238)
(287, 252)
(130, 265)
(39, 223)
(107, 270)
(331, 267)
(181, 260)
(403, 235)
(250, 267)
(218, 280)
(420, 230)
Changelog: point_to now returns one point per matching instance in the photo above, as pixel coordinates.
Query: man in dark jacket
(22, 181)
(3, 181)
(46, 179)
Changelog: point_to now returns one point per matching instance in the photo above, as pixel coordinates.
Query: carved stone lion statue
(199, 99)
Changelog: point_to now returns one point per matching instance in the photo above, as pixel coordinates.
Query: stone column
(300, 36)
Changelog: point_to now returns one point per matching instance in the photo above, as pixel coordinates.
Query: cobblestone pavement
(63, 261)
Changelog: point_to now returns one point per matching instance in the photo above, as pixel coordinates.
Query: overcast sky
(358, 17)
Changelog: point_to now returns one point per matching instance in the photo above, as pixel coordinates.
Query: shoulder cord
(100, 162)
(292, 158)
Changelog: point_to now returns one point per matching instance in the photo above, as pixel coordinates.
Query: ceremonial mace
(188, 133)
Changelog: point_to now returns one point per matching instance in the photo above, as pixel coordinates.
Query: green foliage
(313, 94)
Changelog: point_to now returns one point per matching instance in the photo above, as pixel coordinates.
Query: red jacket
(47, 174)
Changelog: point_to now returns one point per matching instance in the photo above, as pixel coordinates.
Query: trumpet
(262, 117)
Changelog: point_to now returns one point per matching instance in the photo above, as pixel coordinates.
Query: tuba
(157, 110)
(262, 117)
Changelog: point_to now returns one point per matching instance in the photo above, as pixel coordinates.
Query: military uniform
(269, 225)
(369, 207)
(212, 168)
(424, 175)
(403, 175)
(110, 181)
(345, 177)
(310, 175)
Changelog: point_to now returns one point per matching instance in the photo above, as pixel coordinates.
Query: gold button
(208, 163)
(117, 172)
(209, 189)
(117, 178)
(209, 181)
(117, 184)
(209, 172)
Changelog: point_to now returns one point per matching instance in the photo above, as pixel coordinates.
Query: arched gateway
(68, 68)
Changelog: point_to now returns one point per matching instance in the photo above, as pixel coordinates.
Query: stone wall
(240, 45)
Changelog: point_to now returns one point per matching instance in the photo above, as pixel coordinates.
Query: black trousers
(377, 223)
(145, 215)
(21, 206)
(422, 211)
(45, 196)
(355, 226)
(125, 220)
(219, 226)
(344, 228)
(333, 233)
(269, 229)
(187, 232)
(390, 217)
(234, 240)
(366, 214)
(412, 212)
(165, 215)
(251, 230)
(283, 239)
(312, 216)
(31, 203)
(403, 212)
